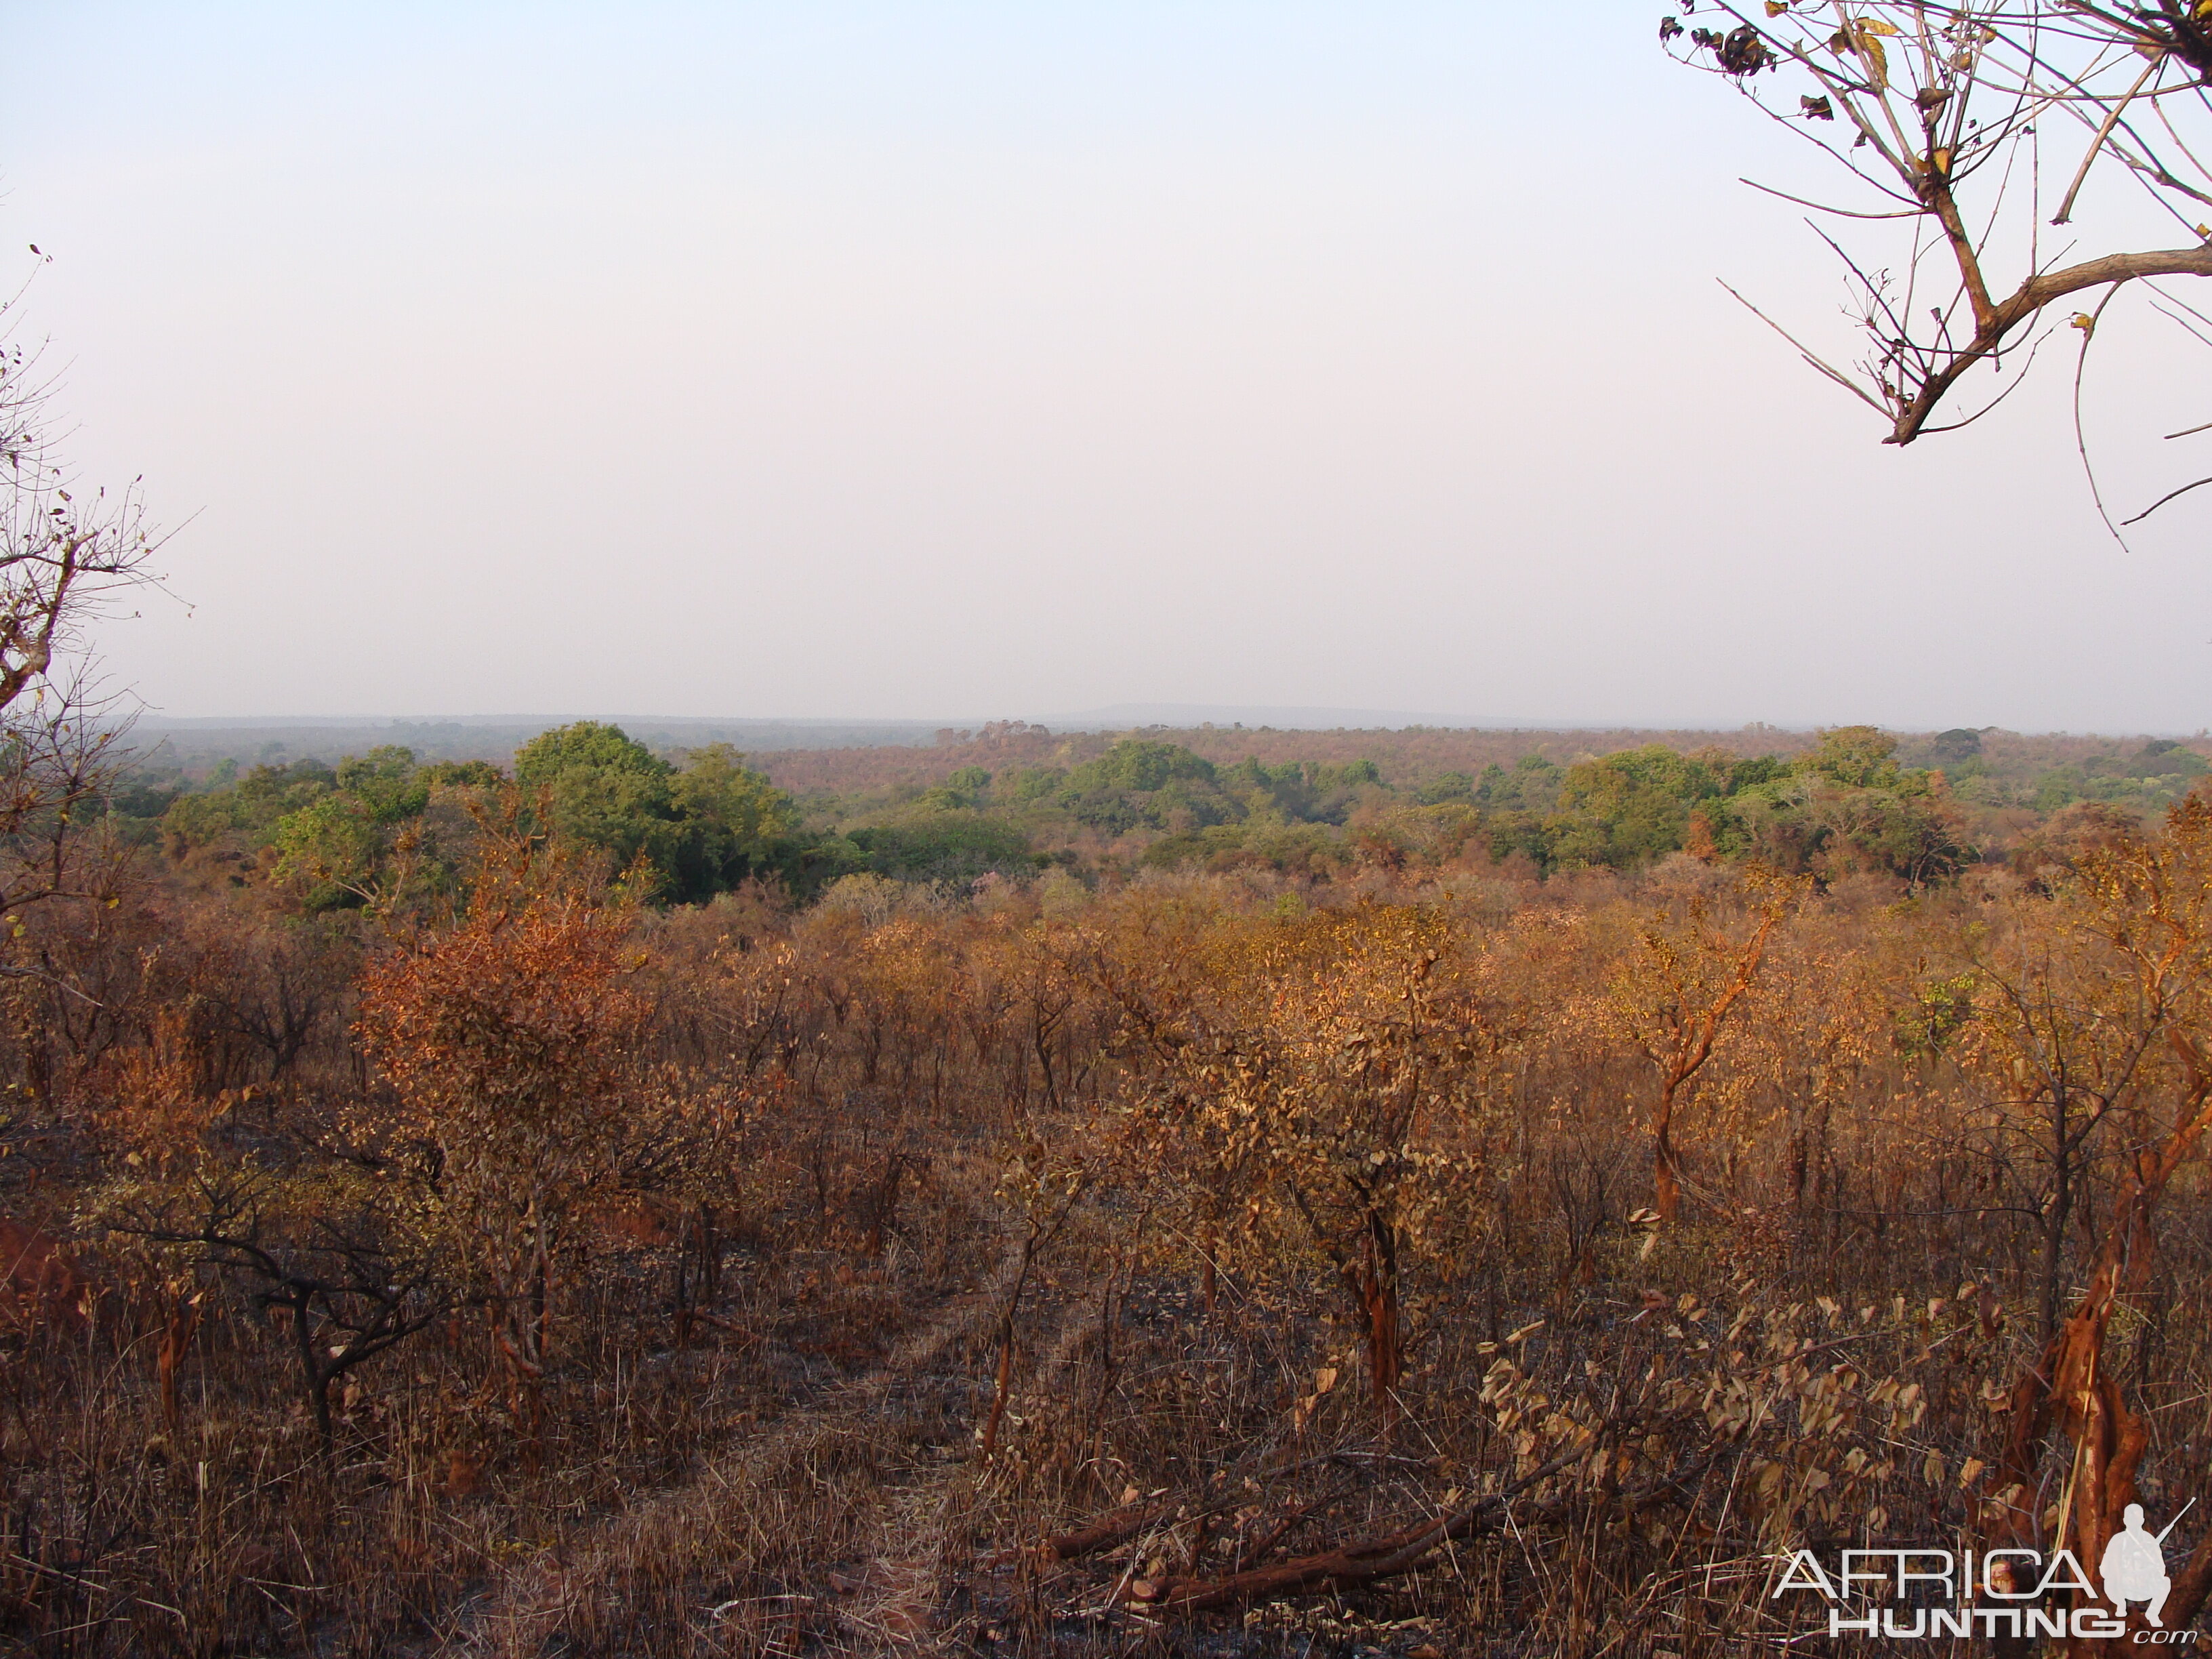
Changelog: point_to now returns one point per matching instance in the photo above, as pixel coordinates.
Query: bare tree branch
(1934, 95)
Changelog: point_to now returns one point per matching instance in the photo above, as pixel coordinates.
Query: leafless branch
(2163, 499)
(1931, 95)
(1833, 373)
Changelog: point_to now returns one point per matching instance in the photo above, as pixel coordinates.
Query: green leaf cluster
(703, 828)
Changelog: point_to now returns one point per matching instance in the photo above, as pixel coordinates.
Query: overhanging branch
(2030, 299)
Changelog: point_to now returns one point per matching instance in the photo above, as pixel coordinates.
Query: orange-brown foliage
(781, 1275)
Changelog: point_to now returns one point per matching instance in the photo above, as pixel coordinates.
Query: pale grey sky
(934, 359)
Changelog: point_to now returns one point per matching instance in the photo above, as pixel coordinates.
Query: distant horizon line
(1179, 717)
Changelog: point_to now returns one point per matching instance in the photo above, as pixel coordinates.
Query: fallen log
(1113, 1528)
(1350, 1564)
(1118, 1525)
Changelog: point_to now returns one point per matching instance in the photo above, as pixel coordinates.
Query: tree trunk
(1666, 1181)
(1374, 1286)
(177, 1332)
(312, 1374)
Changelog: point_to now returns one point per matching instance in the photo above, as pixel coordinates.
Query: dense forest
(1425, 1193)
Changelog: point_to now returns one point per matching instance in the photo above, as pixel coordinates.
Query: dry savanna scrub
(1468, 1264)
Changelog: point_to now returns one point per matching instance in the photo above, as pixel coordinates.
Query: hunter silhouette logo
(2134, 1567)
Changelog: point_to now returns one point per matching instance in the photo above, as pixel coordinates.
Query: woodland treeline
(610, 1205)
(1312, 807)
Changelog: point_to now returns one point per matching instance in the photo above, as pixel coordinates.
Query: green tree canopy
(735, 822)
(605, 789)
(1856, 757)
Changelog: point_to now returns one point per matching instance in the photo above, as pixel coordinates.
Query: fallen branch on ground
(1350, 1564)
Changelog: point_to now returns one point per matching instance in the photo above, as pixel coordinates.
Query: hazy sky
(936, 360)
